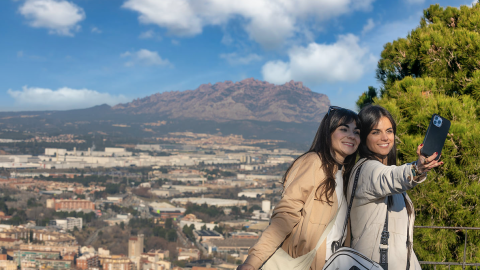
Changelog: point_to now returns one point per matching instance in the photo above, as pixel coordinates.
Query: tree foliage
(367, 97)
(436, 69)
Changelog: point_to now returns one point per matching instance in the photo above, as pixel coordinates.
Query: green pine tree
(436, 69)
(367, 97)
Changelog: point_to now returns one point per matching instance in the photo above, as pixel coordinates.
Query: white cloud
(343, 61)
(145, 57)
(175, 42)
(147, 34)
(235, 59)
(369, 26)
(268, 22)
(59, 16)
(35, 98)
(96, 30)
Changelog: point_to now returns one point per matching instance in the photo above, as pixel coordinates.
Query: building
(88, 261)
(206, 235)
(187, 254)
(203, 268)
(166, 210)
(120, 263)
(244, 235)
(48, 237)
(8, 265)
(62, 249)
(266, 206)
(53, 264)
(165, 192)
(68, 224)
(210, 201)
(27, 258)
(230, 245)
(70, 205)
(135, 246)
(118, 219)
(117, 198)
(10, 243)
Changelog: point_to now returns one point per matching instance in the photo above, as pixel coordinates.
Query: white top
(336, 232)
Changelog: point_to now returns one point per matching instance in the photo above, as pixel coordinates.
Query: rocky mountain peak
(249, 99)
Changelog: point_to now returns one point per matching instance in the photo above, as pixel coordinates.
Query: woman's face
(381, 138)
(345, 141)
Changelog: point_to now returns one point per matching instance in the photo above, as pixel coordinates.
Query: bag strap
(384, 243)
(338, 244)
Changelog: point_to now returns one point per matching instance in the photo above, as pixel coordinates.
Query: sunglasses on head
(333, 108)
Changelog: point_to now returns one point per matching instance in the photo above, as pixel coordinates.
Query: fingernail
(435, 153)
(421, 144)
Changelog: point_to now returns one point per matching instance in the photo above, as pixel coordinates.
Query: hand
(425, 164)
(245, 266)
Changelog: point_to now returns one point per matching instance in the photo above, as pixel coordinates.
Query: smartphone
(436, 135)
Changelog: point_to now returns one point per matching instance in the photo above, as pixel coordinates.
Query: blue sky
(68, 54)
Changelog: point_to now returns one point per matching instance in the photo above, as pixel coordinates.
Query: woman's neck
(382, 159)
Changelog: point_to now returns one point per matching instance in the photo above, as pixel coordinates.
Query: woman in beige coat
(382, 186)
(297, 223)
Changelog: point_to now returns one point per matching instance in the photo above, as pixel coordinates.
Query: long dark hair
(322, 146)
(370, 116)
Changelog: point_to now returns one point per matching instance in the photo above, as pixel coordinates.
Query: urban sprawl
(198, 202)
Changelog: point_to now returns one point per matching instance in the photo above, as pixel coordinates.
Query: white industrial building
(210, 201)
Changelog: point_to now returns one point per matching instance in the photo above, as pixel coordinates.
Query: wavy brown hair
(322, 146)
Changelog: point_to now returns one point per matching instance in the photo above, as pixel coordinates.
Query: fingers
(429, 166)
(419, 148)
(431, 158)
(425, 164)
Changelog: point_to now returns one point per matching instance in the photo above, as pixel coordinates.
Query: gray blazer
(375, 183)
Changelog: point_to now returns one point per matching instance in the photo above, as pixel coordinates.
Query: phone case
(436, 135)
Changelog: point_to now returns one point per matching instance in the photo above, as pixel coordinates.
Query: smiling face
(345, 140)
(381, 139)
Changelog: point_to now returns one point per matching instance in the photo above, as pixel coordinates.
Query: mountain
(249, 99)
(252, 108)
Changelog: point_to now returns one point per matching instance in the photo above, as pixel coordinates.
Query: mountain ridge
(248, 99)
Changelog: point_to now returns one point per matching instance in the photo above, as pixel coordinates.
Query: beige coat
(297, 221)
(367, 217)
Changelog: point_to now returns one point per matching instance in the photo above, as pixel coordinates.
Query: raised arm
(378, 181)
(287, 212)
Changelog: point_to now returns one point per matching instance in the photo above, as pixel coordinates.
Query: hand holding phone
(436, 135)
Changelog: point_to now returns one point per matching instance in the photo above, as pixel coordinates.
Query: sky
(70, 54)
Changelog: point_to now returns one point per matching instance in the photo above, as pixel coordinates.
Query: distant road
(93, 237)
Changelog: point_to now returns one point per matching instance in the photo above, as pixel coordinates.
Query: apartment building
(49, 237)
(8, 265)
(62, 249)
(135, 246)
(88, 261)
(121, 263)
(68, 224)
(69, 205)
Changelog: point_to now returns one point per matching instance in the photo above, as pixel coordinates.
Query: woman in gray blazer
(382, 214)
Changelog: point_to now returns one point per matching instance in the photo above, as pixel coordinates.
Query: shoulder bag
(349, 258)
